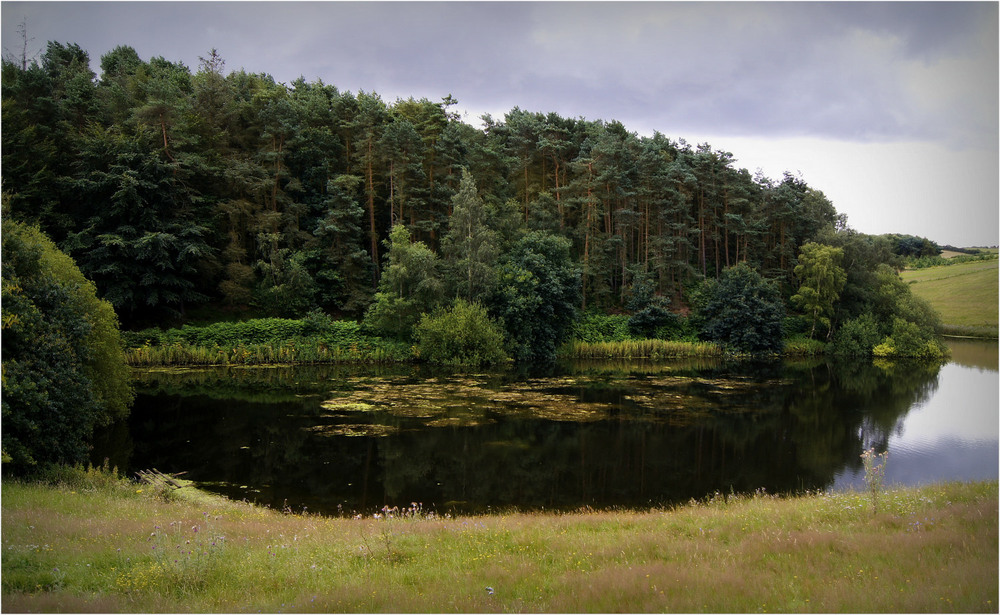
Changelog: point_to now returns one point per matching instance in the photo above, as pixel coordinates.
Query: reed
(297, 350)
(651, 349)
(802, 346)
(115, 546)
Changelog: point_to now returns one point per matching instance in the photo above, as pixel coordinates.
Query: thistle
(875, 474)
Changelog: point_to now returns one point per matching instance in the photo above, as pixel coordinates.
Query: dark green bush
(595, 327)
(857, 337)
(537, 295)
(63, 367)
(742, 311)
(461, 335)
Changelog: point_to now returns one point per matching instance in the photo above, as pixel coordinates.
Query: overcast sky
(891, 109)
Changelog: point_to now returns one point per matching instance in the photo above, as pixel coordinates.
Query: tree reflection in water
(345, 439)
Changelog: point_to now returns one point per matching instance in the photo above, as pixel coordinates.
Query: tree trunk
(369, 172)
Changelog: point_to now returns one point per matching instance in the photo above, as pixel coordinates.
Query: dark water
(348, 439)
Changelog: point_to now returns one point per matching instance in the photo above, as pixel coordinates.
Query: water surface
(339, 440)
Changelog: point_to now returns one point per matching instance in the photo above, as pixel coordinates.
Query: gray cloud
(847, 70)
(891, 108)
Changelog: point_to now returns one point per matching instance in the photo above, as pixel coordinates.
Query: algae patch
(348, 406)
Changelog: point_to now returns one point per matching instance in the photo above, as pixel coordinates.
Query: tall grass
(314, 339)
(117, 547)
(288, 351)
(653, 349)
(802, 346)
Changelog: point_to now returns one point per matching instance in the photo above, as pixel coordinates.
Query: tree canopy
(174, 188)
(63, 367)
(177, 190)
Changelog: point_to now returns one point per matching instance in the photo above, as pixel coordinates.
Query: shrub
(857, 337)
(461, 335)
(742, 311)
(63, 367)
(594, 327)
(653, 320)
(909, 340)
(536, 296)
(651, 315)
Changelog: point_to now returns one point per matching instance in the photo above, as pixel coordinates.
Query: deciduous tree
(63, 368)
(821, 280)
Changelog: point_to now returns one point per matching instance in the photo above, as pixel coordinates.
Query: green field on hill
(964, 294)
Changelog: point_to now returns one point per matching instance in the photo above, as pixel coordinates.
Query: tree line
(173, 188)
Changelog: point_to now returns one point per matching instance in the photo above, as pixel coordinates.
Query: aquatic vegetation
(353, 430)
(653, 349)
(339, 407)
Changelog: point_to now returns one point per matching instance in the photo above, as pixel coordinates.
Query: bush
(742, 311)
(537, 295)
(911, 341)
(651, 315)
(654, 320)
(63, 367)
(595, 327)
(461, 335)
(857, 337)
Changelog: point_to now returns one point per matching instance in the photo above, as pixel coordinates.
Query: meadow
(92, 542)
(964, 294)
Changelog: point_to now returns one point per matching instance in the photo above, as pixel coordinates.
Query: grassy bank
(102, 545)
(964, 294)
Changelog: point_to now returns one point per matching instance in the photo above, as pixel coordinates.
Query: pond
(352, 439)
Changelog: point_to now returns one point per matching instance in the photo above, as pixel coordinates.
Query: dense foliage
(743, 312)
(317, 338)
(63, 369)
(229, 192)
(173, 188)
(461, 335)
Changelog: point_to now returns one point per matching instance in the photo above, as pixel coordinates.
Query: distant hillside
(964, 294)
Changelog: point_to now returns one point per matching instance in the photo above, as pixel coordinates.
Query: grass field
(964, 294)
(104, 546)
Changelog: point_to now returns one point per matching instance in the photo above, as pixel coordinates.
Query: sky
(890, 109)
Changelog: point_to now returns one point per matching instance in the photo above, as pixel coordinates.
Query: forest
(215, 195)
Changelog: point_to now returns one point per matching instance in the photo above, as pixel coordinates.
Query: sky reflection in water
(953, 434)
